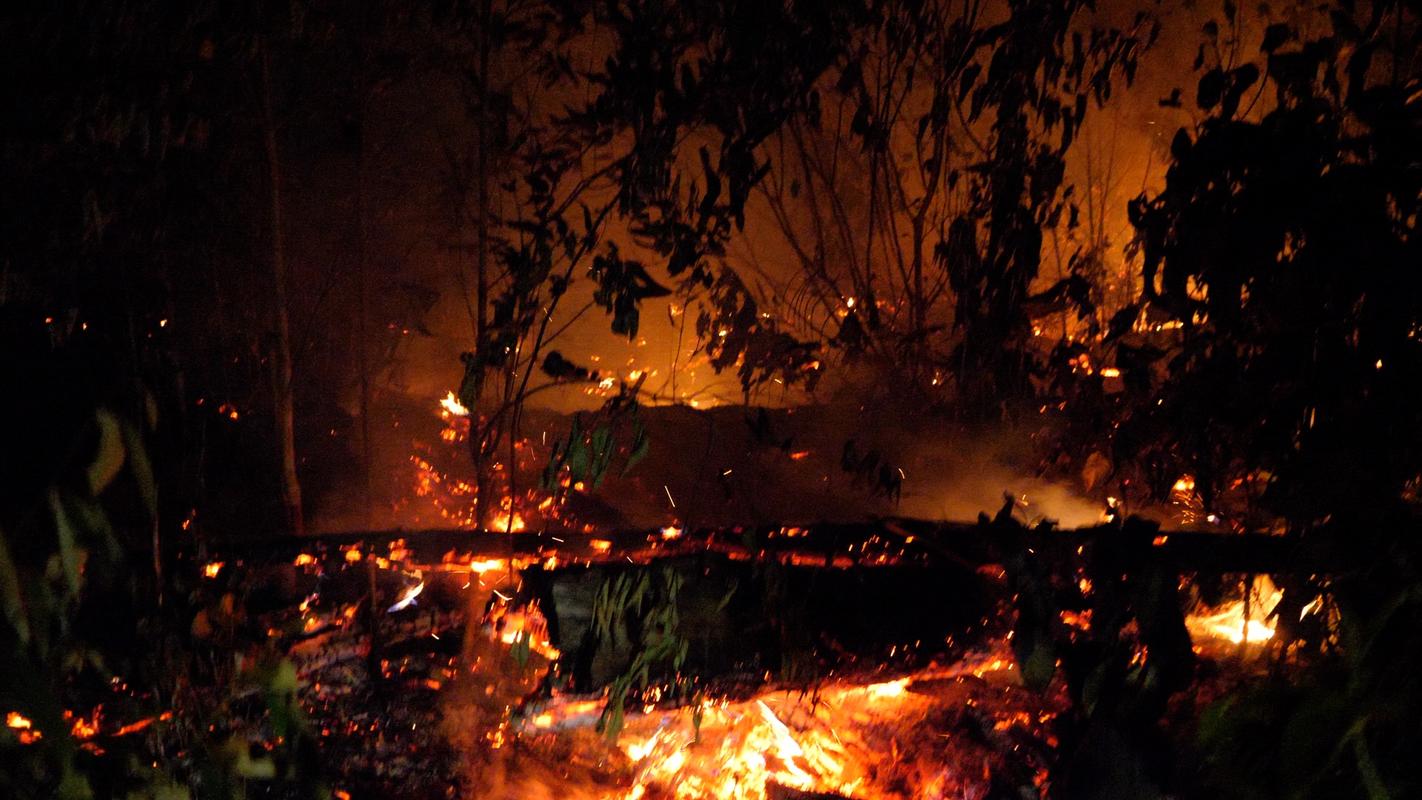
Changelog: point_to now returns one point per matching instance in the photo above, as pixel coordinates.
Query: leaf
(11, 602)
(109, 458)
(522, 647)
(141, 469)
(1211, 89)
(67, 532)
(1274, 36)
(557, 367)
(641, 445)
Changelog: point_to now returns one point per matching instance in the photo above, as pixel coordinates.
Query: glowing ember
(870, 741)
(84, 727)
(23, 728)
(213, 569)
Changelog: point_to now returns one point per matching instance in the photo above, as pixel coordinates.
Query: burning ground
(496, 667)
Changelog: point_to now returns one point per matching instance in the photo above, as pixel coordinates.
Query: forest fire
(703, 400)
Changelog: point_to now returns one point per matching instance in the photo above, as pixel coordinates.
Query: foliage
(640, 608)
(1284, 243)
(1284, 246)
(587, 453)
(962, 115)
(1120, 670)
(105, 621)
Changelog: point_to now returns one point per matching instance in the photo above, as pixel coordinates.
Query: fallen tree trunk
(843, 544)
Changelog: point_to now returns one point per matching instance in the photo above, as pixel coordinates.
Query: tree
(960, 118)
(655, 166)
(1285, 247)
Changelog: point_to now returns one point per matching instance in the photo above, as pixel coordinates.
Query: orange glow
(213, 569)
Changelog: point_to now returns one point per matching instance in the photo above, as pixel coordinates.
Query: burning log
(871, 542)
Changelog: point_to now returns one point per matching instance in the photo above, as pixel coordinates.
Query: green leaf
(141, 468)
(601, 454)
(108, 460)
(67, 532)
(1037, 671)
(641, 445)
(11, 602)
(522, 646)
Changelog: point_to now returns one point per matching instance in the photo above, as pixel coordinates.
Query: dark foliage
(1285, 246)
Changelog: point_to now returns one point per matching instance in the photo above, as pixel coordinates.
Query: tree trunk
(281, 357)
(481, 224)
(362, 311)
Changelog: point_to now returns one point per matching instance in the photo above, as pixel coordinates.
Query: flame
(527, 623)
(451, 404)
(213, 569)
(407, 598)
(481, 566)
(502, 521)
(880, 740)
(851, 740)
(1229, 622)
